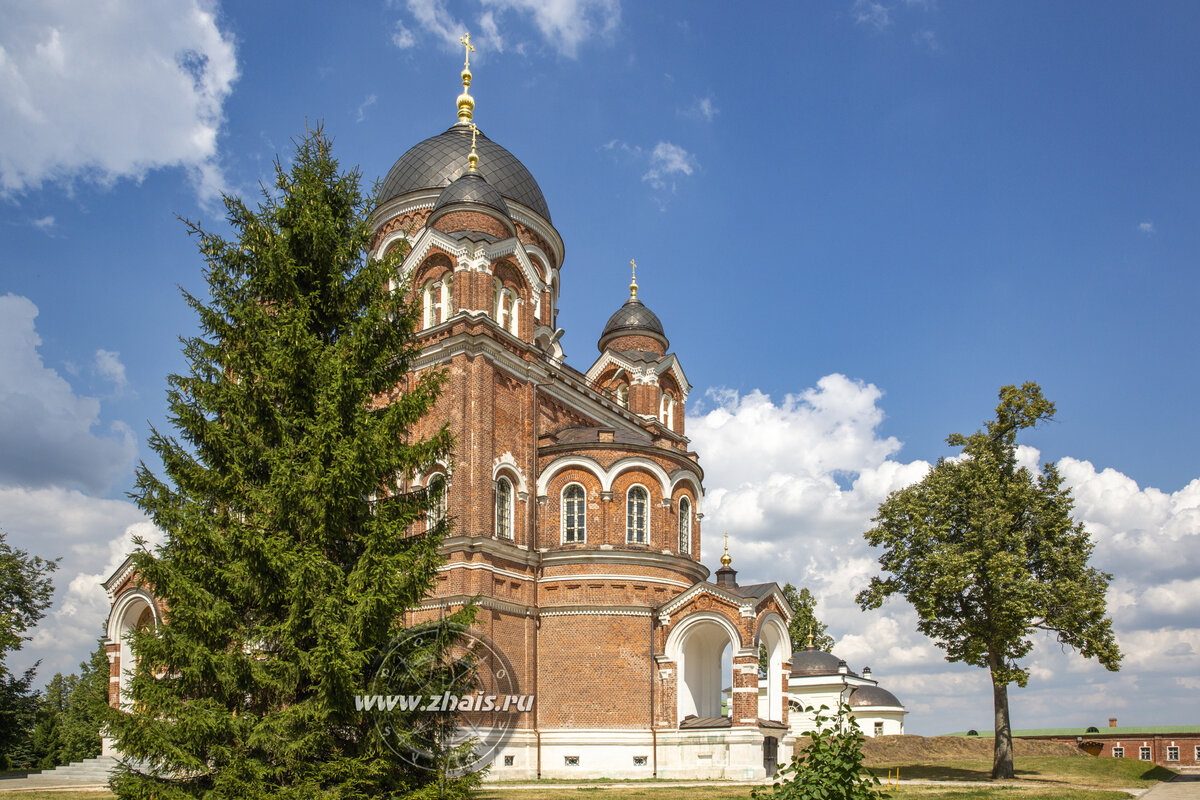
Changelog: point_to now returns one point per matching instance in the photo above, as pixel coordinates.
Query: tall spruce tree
(283, 577)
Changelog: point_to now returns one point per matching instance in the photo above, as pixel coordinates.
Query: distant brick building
(1172, 746)
(577, 501)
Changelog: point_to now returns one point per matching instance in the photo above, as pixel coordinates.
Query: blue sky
(857, 220)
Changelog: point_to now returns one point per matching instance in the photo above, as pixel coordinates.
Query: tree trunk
(1002, 755)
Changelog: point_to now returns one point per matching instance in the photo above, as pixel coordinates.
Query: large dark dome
(437, 161)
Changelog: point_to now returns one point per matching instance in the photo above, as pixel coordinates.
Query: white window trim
(1144, 754)
(500, 533)
(439, 512)
(645, 516)
(1118, 752)
(582, 516)
(685, 518)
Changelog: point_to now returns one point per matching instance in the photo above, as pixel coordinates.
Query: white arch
(566, 462)
(686, 476)
(506, 461)
(633, 462)
(773, 634)
(126, 612)
(696, 646)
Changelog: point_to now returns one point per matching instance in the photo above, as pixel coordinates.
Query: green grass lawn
(1091, 772)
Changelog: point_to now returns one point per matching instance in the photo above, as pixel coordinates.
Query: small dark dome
(811, 661)
(873, 696)
(471, 187)
(633, 319)
(437, 161)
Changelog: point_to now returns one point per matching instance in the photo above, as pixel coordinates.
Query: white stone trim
(485, 567)
(507, 461)
(611, 577)
(595, 611)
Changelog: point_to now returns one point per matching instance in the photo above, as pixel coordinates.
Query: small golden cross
(465, 41)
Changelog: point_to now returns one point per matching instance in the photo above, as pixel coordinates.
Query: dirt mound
(925, 750)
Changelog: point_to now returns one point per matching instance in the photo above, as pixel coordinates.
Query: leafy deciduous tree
(25, 589)
(987, 553)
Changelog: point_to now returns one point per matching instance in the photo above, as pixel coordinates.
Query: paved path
(1182, 787)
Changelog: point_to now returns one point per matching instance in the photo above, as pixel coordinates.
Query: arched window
(685, 525)
(637, 509)
(667, 414)
(446, 298)
(504, 515)
(513, 318)
(574, 514)
(436, 487)
(428, 305)
(623, 395)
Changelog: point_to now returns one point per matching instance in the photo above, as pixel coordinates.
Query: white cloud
(112, 93)
(402, 37)
(109, 367)
(703, 109)
(667, 161)
(1147, 228)
(796, 482)
(928, 40)
(44, 223)
(565, 25)
(361, 114)
(46, 430)
(93, 537)
(867, 12)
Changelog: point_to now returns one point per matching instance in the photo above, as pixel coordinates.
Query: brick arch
(683, 477)
(511, 276)
(507, 464)
(435, 265)
(772, 632)
(696, 645)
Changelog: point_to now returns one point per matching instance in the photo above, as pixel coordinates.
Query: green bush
(828, 767)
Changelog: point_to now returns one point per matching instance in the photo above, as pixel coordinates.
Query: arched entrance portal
(134, 611)
(700, 644)
(773, 637)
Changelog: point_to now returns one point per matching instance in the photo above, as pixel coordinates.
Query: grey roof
(592, 434)
(633, 318)
(438, 160)
(811, 661)
(471, 187)
(873, 696)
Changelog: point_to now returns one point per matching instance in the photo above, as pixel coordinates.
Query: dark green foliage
(827, 764)
(283, 580)
(25, 590)
(70, 714)
(987, 553)
(803, 625)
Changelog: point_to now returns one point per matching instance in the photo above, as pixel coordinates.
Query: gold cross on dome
(465, 41)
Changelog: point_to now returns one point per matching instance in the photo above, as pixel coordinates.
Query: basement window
(639, 761)
(570, 761)
(508, 761)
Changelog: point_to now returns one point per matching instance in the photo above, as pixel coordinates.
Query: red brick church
(577, 501)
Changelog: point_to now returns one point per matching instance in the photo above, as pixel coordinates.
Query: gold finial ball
(466, 107)
(726, 559)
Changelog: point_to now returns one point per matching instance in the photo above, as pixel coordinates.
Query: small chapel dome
(864, 696)
(471, 188)
(633, 319)
(811, 661)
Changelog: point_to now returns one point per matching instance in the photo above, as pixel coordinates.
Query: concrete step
(89, 772)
